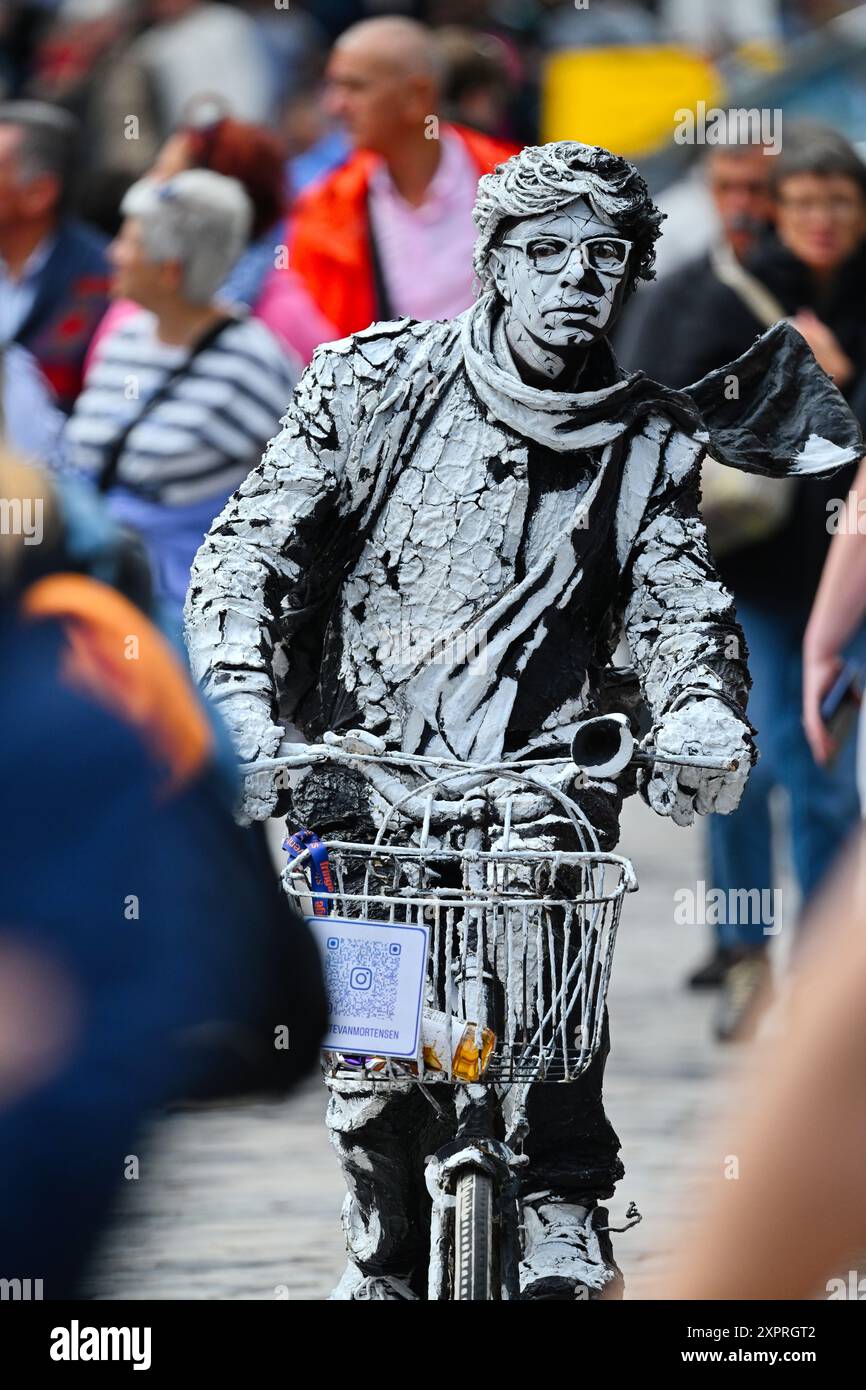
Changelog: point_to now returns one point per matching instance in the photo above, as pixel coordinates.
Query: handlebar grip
(604, 746)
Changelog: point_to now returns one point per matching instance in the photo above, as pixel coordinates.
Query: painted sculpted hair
(544, 178)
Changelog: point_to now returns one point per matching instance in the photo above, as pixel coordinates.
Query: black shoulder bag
(108, 472)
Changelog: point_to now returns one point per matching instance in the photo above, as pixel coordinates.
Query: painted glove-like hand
(254, 735)
(704, 728)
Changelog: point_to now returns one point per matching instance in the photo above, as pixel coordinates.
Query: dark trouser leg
(381, 1138)
(572, 1146)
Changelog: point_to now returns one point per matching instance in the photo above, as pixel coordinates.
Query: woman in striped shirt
(182, 397)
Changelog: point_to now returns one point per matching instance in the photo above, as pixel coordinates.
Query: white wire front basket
(519, 957)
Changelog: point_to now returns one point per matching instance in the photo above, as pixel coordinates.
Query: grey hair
(544, 178)
(48, 139)
(199, 218)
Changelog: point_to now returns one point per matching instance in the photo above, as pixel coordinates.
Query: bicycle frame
(474, 965)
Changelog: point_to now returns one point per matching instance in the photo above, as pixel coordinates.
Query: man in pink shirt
(390, 233)
(425, 250)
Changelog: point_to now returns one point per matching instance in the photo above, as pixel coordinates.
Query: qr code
(361, 976)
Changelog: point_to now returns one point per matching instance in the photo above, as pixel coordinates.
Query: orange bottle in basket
(444, 1035)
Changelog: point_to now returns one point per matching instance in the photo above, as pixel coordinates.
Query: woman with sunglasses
(186, 391)
(261, 278)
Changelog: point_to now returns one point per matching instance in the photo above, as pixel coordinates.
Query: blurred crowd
(790, 244)
(193, 195)
(107, 60)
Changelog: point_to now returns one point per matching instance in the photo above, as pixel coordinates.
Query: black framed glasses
(549, 254)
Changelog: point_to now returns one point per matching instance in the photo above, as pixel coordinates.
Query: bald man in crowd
(390, 234)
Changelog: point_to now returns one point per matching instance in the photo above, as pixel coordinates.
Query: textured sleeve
(248, 577)
(678, 618)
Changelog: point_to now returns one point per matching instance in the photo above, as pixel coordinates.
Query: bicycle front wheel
(475, 1263)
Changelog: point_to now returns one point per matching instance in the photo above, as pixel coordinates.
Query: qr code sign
(361, 977)
(374, 975)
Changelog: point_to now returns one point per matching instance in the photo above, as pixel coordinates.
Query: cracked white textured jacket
(442, 557)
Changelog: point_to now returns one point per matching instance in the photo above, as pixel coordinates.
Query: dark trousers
(384, 1136)
(823, 802)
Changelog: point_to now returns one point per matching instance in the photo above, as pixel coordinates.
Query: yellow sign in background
(624, 98)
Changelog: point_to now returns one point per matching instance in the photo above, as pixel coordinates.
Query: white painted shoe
(356, 1285)
(563, 1257)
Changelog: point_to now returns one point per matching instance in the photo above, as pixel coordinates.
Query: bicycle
(517, 962)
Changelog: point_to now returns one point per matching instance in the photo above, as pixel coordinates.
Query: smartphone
(841, 705)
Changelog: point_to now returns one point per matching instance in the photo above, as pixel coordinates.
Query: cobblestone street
(244, 1202)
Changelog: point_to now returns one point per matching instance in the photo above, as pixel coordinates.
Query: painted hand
(705, 728)
(254, 735)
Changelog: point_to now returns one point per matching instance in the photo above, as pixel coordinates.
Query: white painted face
(556, 293)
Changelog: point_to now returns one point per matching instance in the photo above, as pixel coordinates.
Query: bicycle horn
(603, 746)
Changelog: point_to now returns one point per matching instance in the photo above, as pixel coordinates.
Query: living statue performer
(498, 479)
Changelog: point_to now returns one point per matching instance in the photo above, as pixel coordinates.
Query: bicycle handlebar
(420, 803)
(299, 755)
(605, 746)
(602, 747)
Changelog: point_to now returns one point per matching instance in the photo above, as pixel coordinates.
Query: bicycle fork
(475, 1151)
(473, 1180)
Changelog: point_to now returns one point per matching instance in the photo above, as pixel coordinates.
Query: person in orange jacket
(389, 234)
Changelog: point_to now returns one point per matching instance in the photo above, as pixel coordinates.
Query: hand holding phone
(841, 706)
